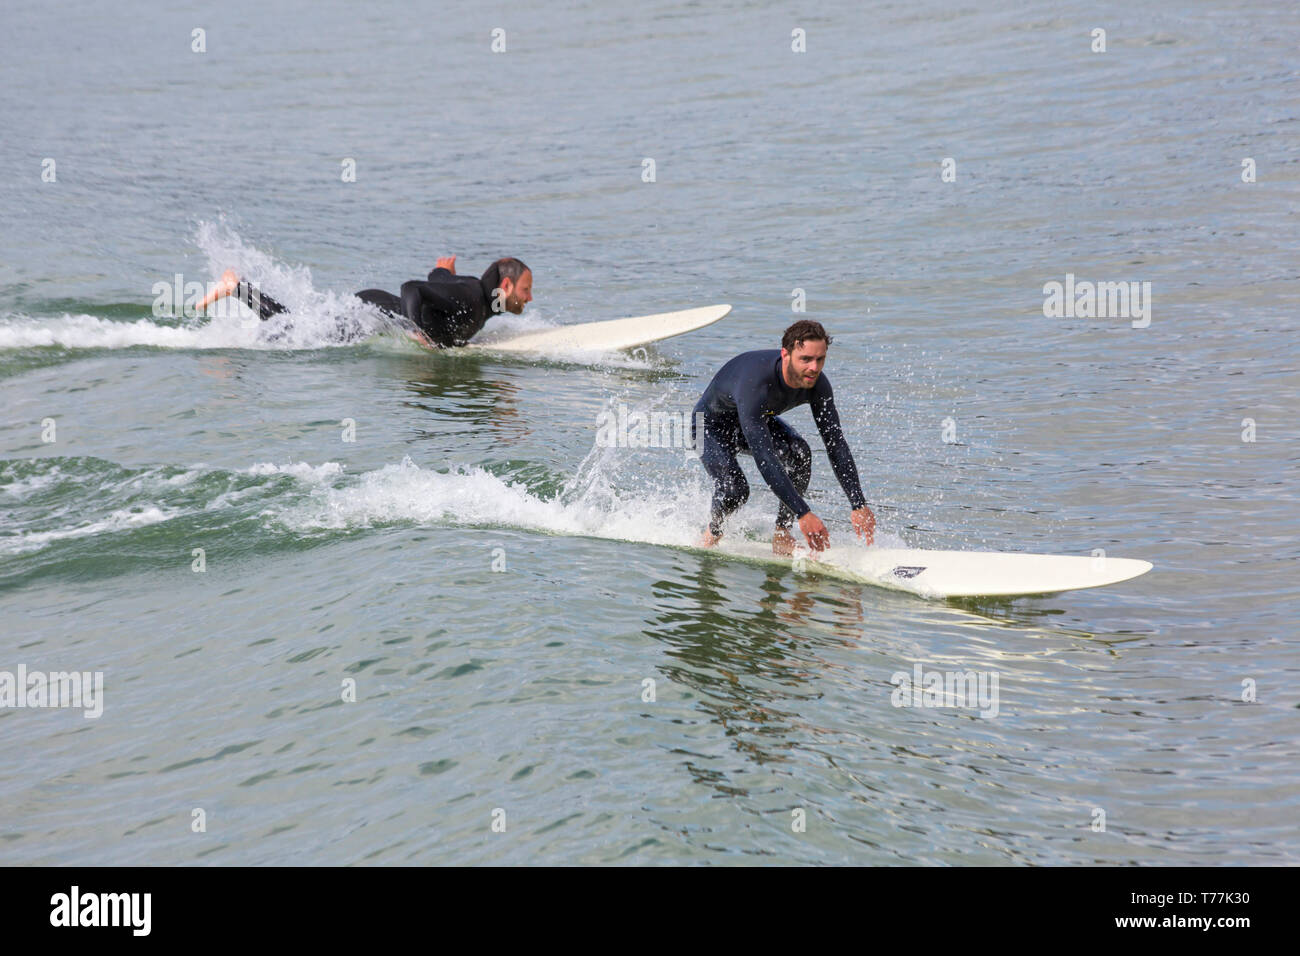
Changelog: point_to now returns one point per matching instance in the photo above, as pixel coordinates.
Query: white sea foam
(91, 332)
(588, 506)
(315, 319)
(595, 502)
(83, 331)
(472, 496)
(300, 470)
(119, 520)
(23, 487)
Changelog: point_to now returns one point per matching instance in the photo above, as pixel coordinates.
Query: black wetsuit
(449, 309)
(739, 410)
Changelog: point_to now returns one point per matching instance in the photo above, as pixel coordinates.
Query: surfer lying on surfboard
(447, 310)
(739, 413)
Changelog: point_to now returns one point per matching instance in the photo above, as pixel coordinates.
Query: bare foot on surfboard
(708, 539)
(782, 542)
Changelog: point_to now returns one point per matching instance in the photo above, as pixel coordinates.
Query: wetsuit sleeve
(837, 448)
(750, 412)
(432, 307)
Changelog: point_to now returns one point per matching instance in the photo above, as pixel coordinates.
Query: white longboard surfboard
(609, 336)
(944, 574)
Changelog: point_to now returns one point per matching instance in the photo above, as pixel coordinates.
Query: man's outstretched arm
(827, 418)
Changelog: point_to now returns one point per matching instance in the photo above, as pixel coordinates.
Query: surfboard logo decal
(906, 572)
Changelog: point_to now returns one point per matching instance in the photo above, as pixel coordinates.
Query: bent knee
(736, 490)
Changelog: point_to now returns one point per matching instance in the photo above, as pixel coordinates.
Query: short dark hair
(510, 268)
(805, 330)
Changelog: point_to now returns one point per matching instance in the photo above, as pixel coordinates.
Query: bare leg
(225, 285)
(245, 292)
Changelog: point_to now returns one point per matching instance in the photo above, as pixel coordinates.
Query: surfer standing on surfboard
(739, 413)
(448, 310)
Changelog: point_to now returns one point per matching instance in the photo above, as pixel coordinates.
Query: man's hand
(864, 523)
(813, 529)
(446, 262)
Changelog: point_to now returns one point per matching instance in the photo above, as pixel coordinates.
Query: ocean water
(535, 669)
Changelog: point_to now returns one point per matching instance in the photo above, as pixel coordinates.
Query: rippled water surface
(496, 584)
